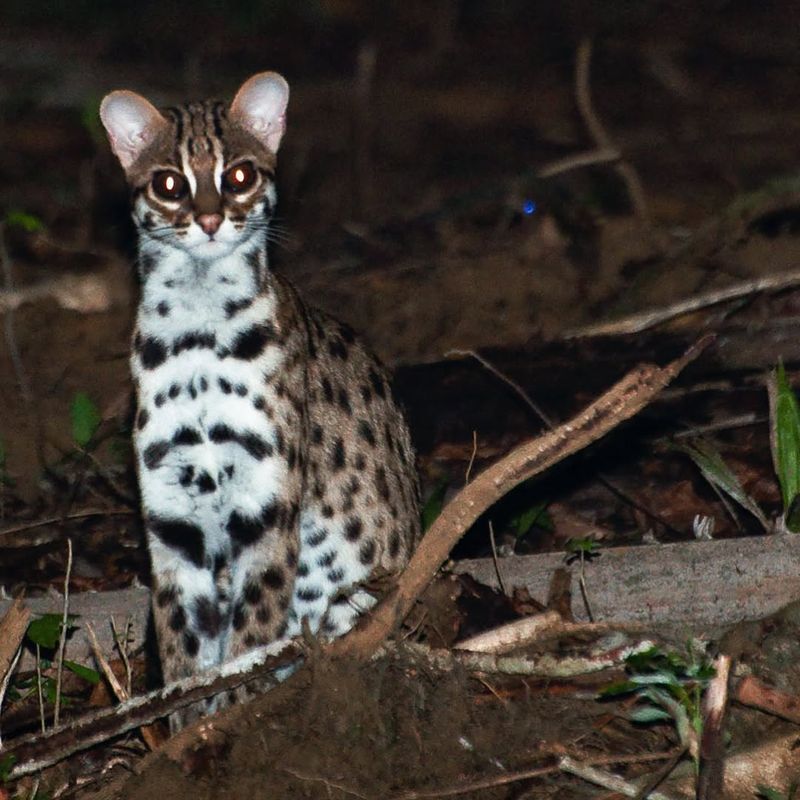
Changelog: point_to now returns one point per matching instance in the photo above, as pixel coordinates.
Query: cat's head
(202, 173)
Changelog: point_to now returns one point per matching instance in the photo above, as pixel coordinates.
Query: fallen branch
(712, 745)
(607, 780)
(540, 666)
(39, 751)
(619, 403)
(12, 632)
(752, 692)
(644, 320)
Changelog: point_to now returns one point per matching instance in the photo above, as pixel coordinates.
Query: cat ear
(132, 124)
(260, 108)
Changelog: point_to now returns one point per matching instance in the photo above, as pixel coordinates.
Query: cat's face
(201, 174)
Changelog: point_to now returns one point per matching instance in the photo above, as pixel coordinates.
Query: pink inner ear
(132, 124)
(260, 107)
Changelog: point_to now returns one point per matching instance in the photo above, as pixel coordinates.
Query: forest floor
(427, 203)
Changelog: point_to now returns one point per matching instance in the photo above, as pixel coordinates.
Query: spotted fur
(276, 471)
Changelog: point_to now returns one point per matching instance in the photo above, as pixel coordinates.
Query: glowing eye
(240, 177)
(169, 185)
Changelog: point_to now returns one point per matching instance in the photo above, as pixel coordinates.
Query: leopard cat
(276, 470)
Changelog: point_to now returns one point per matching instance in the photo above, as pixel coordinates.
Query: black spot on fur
(239, 617)
(205, 483)
(203, 384)
(153, 353)
(326, 559)
(394, 544)
(338, 349)
(146, 263)
(381, 484)
(360, 462)
(366, 393)
(142, 418)
(251, 342)
(244, 530)
(316, 434)
(366, 433)
(327, 511)
(335, 576)
(154, 453)
(224, 385)
(344, 402)
(191, 644)
(159, 399)
(174, 391)
(353, 529)
(233, 307)
(259, 403)
(187, 475)
(338, 455)
(327, 390)
(347, 334)
(252, 594)
(377, 382)
(241, 389)
(273, 578)
(165, 596)
(207, 616)
(182, 536)
(192, 340)
(177, 620)
(187, 436)
(308, 594)
(264, 614)
(366, 554)
(302, 569)
(163, 308)
(316, 538)
(251, 442)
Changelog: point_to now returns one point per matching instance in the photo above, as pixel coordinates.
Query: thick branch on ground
(36, 752)
(619, 403)
(12, 631)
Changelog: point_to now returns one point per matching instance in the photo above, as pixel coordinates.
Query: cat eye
(169, 185)
(240, 177)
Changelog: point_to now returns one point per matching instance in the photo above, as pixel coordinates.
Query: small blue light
(528, 207)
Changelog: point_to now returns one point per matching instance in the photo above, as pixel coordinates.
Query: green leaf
(21, 219)
(85, 419)
(768, 793)
(87, 673)
(7, 762)
(617, 688)
(45, 630)
(535, 515)
(433, 505)
(648, 714)
(785, 424)
(719, 474)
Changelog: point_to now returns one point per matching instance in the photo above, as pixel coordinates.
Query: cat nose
(210, 223)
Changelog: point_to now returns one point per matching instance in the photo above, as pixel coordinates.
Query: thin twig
(26, 526)
(122, 648)
(521, 393)
(644, 320)
(584, 588)
(607, 780)
(11, 337)
(496, 562)
(601, 138)
(39, 687)
(602, 155)
(62, 642)
(472, 456)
